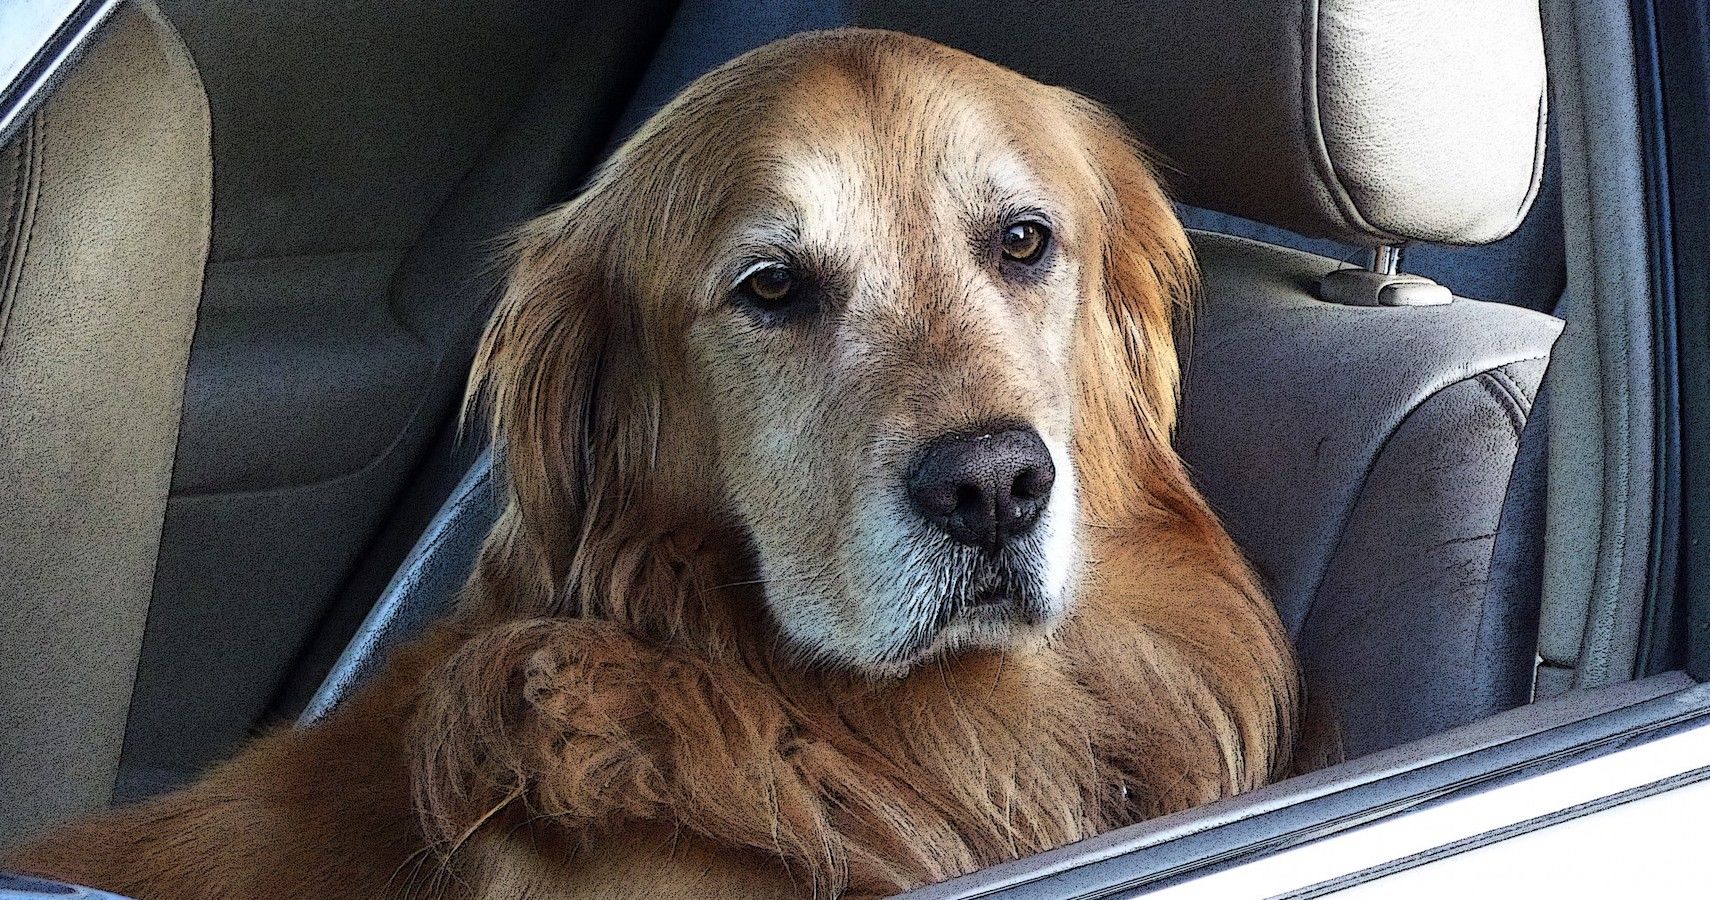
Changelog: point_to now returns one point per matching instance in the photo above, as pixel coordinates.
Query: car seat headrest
(1371, 121)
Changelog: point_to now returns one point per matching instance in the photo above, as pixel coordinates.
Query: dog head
(899, 317)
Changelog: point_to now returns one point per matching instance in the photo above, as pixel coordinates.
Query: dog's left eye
(772, 291)
(1025, 242)
(770, 284)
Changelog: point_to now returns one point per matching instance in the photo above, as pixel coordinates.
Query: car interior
(248, 249)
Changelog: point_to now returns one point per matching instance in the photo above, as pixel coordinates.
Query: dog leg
(639, 862)
(321, 812)
(578, 730)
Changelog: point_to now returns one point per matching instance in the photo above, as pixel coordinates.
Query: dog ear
(1130, 373)
(554, 382)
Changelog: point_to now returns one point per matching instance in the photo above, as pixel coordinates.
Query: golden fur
(648, 689)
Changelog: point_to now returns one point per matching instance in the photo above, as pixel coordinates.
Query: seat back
(105, 197)
(1369, 462)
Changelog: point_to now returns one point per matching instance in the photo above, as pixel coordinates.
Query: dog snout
(984, 489)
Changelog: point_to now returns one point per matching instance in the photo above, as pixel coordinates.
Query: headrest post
(1386, 259)
(1381, 283)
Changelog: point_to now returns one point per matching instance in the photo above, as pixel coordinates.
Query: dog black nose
(983, 490)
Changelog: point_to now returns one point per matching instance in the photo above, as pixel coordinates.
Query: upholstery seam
(1500, 395)
(26, 174)
(1504, 392)
(1529, 397)
(1502, 379)
(1365, 482)
(15, 155)
(1499, 378)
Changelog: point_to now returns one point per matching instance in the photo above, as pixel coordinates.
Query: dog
(844, 548)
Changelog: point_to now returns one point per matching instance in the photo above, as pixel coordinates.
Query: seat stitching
(20, 212)
(1499, 380)
(1504, 393)
(1522, 395)
(9, 202)
(1502, 516)
(14, 155)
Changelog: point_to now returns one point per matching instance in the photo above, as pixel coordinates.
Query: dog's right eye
(1024, 242)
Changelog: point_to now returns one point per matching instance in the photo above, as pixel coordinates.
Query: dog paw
(550, 712)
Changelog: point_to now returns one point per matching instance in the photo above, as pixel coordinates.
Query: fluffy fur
(697, 657)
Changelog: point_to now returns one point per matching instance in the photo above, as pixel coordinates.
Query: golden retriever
(845, 548)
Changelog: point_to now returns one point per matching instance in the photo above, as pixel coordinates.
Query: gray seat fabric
(105, 200)
(1362, 458)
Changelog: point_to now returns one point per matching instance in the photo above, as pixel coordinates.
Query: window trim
(1501, 750)
(50, 48)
